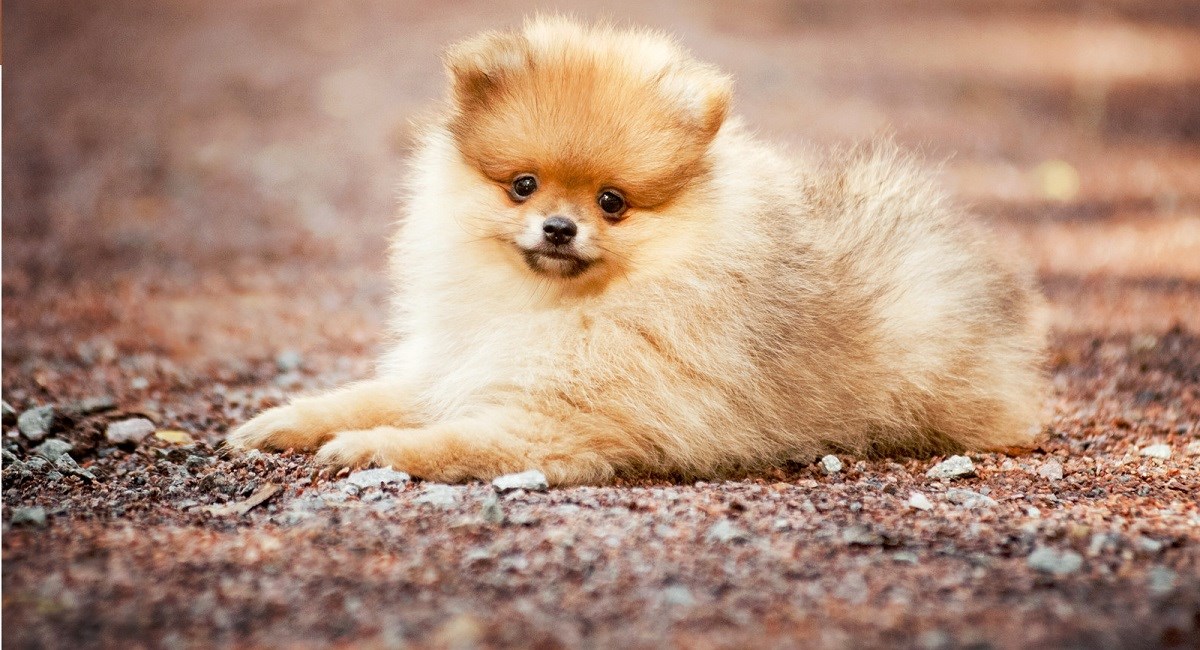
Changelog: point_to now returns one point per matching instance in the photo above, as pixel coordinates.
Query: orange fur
(748, 308)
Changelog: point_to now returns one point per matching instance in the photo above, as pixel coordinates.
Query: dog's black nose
(559, 230)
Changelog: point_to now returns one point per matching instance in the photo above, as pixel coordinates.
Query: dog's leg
(308, 422)
(496, 442)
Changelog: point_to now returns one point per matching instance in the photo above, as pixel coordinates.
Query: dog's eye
(523, 186)
(611, 202)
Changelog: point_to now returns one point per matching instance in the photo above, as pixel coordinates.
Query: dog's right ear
(479, 65)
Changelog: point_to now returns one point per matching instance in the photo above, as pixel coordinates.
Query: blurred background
(214, 181)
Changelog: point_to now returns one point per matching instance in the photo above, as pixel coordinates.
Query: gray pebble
(438, 495)
(1161, 452)
(132, 430)
(35, 423)
(53, 449)
(862, 536)
(35, 516)
(1051, 470)
(1149, 545)
(492, 512)
(1161, 580)
(193, 461)
(725, 531)
(302, 509)
(10, 459)
(920, 501)
(10, 414)
(1054, 561)
(368, 478)
(37, 464)
(831, 464)
(952, 467)
(678, 596)
(969, 499)
(67, 465)
(90, 405)
(532, 480)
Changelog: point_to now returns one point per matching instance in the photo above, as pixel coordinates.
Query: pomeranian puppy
(602, 274)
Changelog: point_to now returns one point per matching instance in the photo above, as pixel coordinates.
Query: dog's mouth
(561, 261)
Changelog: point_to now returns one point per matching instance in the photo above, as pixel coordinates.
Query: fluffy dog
(601, 273)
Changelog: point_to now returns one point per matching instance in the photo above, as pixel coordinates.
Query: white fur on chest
(462, 351)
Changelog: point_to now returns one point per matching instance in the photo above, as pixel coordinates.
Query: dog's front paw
(282, 427)
(351, 449)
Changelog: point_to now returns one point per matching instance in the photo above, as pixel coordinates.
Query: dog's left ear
(478, 66)
(702, 91)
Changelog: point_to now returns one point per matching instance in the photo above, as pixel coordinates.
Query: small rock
(90, 405)
(862, 536)
(1149, 545)
(1054, 561)
(303, 508)
(725, 531)
(260, 496)
(479, 555)
(1051, 470)
(288, 361)
(532, 480)
(678, 596)
(35, 516)
(919, 501)
(831, 464)
(969, 499)
(10, 414)
(953, 467)
(67, 465)
(1099, 542)
(139, 383)
(1161, 580)
(132, 430)
(1161, 452)
(35, 423)
(174, 436)
(53, 448)
(492, 512)
(438, 495)
(1192, 448)
(369, 478)
(37, 464)
(193, 461)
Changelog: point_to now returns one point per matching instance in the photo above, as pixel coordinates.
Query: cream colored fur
(776, 308)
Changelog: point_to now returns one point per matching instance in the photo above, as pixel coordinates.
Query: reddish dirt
(192, 189)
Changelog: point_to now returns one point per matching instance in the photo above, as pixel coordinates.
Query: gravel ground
(196, 203)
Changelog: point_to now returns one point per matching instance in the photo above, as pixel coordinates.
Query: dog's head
(585, 136)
